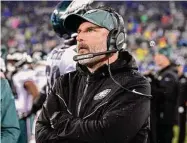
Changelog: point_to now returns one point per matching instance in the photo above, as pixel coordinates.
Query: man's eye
(89, 30)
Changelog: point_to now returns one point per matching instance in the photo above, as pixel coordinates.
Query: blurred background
(151, 26)
(25, 26)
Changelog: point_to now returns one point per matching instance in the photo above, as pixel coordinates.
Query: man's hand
(71, 41)
(58, 119)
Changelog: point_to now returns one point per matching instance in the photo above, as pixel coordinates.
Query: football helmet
(62, 10)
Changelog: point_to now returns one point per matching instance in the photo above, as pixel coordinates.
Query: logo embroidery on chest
(102, 94)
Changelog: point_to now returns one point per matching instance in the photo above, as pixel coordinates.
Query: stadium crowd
(26, 27)
(151, 27)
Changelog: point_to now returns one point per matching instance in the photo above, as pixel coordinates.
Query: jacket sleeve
(45, 125)
(10, 130)
(44, 128)
(121, 121)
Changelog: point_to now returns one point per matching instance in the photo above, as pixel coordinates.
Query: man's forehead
(158, 55)
(87, 25)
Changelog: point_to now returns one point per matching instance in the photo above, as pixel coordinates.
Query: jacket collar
(124, 62)
(169, 67)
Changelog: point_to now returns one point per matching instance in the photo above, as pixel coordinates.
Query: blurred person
(24, 83)
(182, 102)
(151, 77)
(10, 129)
(39, 66)
(164, 90)
(89, 104)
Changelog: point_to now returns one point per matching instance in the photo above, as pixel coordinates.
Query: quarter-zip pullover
(101, 110)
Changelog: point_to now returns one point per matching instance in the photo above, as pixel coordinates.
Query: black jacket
(165, 95)
(163, 103)
(182, 91)
(182, 107)
(92, 108)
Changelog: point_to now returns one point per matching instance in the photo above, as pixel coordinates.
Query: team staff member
(164, 91)
(106, 99)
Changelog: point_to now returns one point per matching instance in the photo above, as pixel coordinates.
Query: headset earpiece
(116, 37)
(120, 39)
(111, 39)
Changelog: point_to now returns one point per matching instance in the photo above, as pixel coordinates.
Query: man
(164, 101)
(89, 104)
(10, 129)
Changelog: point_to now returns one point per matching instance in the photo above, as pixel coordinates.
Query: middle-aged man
(106, 99)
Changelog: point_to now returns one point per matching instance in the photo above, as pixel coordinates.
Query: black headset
(117, 36)
(115, 41)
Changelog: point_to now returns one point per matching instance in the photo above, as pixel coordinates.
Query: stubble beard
(93, 61)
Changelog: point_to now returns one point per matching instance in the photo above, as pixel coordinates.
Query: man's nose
(79, 37)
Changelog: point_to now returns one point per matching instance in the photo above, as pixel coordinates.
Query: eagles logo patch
(102, 94)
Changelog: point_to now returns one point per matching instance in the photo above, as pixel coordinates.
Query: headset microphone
(91, 55)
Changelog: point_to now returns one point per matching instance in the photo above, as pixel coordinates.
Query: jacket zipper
(95, 110)
(64, 104)
(85, 90)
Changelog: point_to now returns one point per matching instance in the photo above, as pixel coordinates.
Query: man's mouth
(82, 50)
